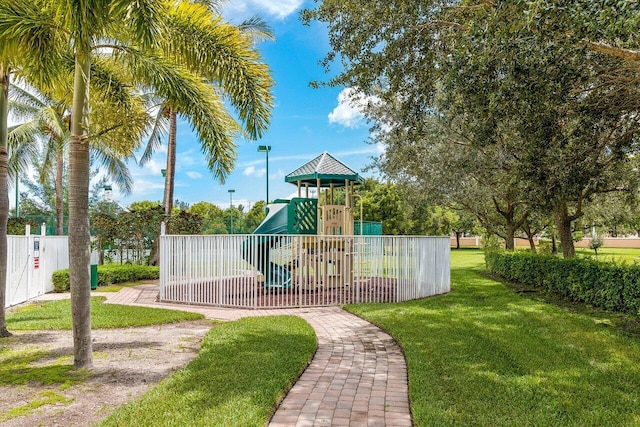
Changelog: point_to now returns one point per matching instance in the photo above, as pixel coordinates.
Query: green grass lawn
(57, 315)
(243, 369)
(483, 355)
(628, 255)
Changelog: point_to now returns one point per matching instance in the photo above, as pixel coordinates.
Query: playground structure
(304, 253)
(318, 260)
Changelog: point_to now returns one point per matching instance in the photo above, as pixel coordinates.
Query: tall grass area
(483, 355)
(243, 369)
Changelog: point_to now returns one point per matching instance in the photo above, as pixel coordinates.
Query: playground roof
(327, 169)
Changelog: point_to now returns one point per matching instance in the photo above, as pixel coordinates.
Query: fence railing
(268, 271)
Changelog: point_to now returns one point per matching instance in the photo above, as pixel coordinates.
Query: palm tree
(46, 118)
(131, 32)
(81, 24)
(32, 48)
(224, 55)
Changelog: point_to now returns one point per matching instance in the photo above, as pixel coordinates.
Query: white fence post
(163, 261)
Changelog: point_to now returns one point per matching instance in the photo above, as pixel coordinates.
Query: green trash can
(94, 277)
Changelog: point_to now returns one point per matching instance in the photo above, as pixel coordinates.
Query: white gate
(31, 260)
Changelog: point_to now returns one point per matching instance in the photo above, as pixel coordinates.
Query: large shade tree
(527, 69)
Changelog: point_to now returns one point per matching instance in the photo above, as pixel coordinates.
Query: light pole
(108, 196)
(231, 207)
(266, 149)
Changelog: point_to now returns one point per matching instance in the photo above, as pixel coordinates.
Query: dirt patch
(127, 363)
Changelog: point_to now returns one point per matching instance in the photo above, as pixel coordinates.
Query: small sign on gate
(36, 252)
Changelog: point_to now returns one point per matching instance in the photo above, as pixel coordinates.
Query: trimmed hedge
(612, 286)
(109, 274)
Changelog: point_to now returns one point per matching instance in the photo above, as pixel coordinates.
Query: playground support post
(265, 149)
(360, 197)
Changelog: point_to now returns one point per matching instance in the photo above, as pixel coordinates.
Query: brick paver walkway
(358, 376)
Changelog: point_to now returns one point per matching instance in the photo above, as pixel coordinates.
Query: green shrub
(109, 274)
(60, 279)
(615, 287)
(491, 244)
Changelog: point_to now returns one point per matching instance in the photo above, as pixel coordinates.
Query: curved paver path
(358, 376)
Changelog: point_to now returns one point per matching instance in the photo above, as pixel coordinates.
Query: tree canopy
(521, 95)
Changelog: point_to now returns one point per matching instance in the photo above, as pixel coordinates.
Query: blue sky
(305, 121)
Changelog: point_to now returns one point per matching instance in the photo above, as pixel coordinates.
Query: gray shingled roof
(326, 168)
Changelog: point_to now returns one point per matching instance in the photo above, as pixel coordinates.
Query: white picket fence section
(271, 271)
(31, 260)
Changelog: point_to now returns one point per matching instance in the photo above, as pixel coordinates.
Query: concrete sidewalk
(358, 376)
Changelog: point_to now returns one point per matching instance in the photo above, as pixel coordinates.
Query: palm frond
(116, 167)
(30, 26)
(224, 55)
(257, 28)
(26, 97)
(50, 155)
(51, 120)
(196, 101)
(23, 144)
(24, 133)
(119, 116)
(21, 112)
(110, 81)
(213, 5)
(159, 130)
(144, 19)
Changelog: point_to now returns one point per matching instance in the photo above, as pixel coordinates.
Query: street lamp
(108, 196)
(231, 207)
(266, 149)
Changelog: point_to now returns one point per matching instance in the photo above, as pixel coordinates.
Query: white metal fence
(31, 260)
(268, 271)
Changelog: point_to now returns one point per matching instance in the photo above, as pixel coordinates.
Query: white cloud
(142, 187)
(151, 168)
(277, 8)
(194, 174)
(252, 171)
(349, 111)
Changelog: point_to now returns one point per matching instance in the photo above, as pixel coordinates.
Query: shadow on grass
(483, 355)
(18, 367)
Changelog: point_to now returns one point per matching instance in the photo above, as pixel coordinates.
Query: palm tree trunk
(4, 197)
(171, 163)
(59, 193)
(79, 239)
(167, 201)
